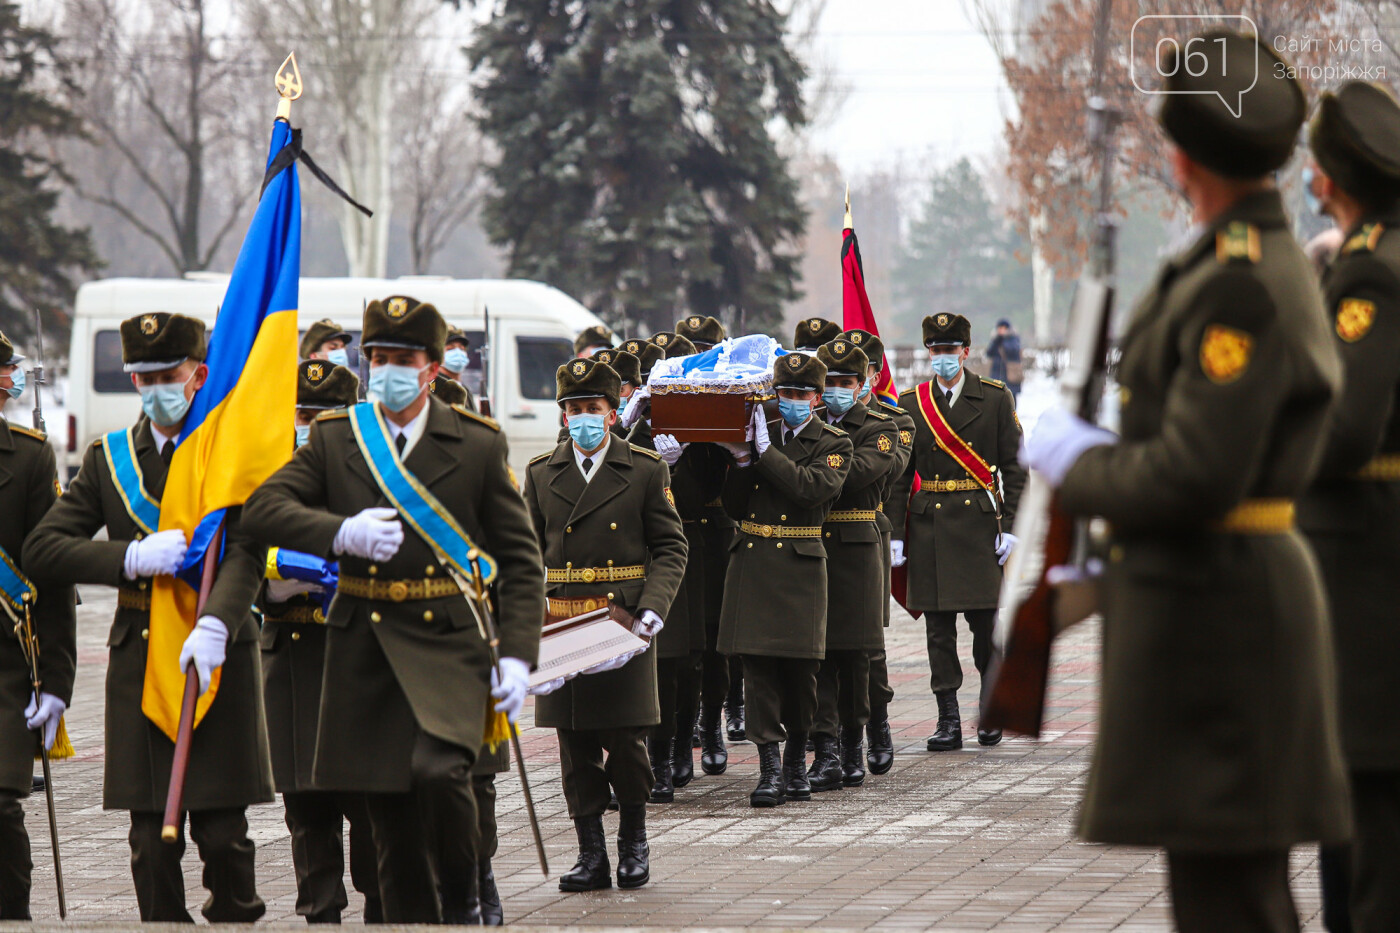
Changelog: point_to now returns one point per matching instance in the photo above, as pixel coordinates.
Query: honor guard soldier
(672, 344)
(879, 755)
(647, 353)
(592, 340)
(1218, 737)
(604, 515)
(774, 614)
(957, 526)
(30, 489)
(326, 340)
(628, 369)
(813, 333)
(405, 705)
(299, 587)
(858, 588)
(1352, 513)
(119, 487)
(703, 331)
(455, 360)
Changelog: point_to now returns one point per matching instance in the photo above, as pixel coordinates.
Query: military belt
(950, 485)
(1258, 517)
(594, 574)
(1384, 468)
(397, 591)
(300, 615)
(778, 531)
(567, 608)
(852, 515)
(133, 599)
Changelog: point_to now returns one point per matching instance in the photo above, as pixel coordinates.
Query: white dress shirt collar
(597, 458)
(956, 388)
(413, 431)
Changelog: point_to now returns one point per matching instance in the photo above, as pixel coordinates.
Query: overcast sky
(922, 81)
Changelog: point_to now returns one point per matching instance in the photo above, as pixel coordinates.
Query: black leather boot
(695, 738)
(988, 736)
(682, 762)
(461, 904)
(591, 872)
(633, 853)
(795, 784)
(825, 773)
(948, 736)
(489, 897)
(734, 720)
(714, 757)
(880, 757)
(769, 792)
(852, 756)
(662, 790)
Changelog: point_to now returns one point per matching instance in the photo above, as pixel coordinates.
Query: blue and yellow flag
(225, 449)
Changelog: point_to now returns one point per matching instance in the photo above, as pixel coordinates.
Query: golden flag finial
(289, 86)
(848, 223)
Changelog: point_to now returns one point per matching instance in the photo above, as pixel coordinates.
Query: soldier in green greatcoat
(326, 340)
(1218, 737)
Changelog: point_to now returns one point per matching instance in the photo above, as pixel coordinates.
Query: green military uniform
(858, 588)
(780, 499)
(228, 765)
(405, 720)
(951, 525)
(30, 488)
(1217, 723)
(1352, 513)
(452, 392)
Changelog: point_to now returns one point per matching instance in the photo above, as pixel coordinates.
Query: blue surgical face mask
(1309, 198)
(396, 386)
(18, 378)
(166, 404)
(946, 365)
(455, 360)
(339, 357)
(794, 412)
(587, 431)
(838, 401)
(303, 434)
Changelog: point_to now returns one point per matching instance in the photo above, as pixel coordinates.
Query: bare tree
(162, 98)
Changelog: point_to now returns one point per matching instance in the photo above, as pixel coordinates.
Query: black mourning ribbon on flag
(293, 152)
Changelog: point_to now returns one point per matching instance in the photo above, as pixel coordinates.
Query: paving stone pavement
(970, 840)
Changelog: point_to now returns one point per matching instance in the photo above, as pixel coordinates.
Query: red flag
(856, 314)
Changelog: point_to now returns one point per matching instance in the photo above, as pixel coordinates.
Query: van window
(107, 374)
(471, 378)
(540, 358)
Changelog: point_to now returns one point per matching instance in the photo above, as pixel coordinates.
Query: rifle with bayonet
(1034, 607)
(484, 400)
(36, 374)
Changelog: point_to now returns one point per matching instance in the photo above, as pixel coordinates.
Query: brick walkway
(976, 839)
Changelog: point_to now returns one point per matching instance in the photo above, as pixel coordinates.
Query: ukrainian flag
(225, 449)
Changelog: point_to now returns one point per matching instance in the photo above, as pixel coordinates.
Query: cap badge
(662, 340)
(814, 325)
(839, 348)
(397, 308)
(314, 373)
(149, 325)
(857, 338)
(694, 320)
(795, 361)
(941, 320)
(580, 368)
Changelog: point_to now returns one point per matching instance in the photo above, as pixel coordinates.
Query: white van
(532, 332)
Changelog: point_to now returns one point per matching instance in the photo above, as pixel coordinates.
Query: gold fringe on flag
(62, 746)
(498, 729)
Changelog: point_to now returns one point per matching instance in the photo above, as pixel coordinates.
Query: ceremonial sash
(954, 446)
(14, 585)
(119, 447)
(419, 507)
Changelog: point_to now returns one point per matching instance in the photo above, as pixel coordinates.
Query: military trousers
(16, 866)
(678, 687)
(881, 693)
(487, 833)
(221, 836)
(1375, 856)
(945, 670)
(316, 820)
(843, 691)
(592, 760)
(1234, 892)
(780, 697)
(425, 839)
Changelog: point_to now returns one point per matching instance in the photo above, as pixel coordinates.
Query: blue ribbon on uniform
(120, 450)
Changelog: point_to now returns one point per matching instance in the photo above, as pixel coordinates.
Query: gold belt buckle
(951, 485)
(588, 575)
(766, 531)
(398, 591)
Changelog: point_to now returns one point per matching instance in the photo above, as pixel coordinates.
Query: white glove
(649, 624)
(548, 687)
(509, 684)
(374, 534)
(668, 448)
(279, 591)
(155, 554)
(633, 411)
(1061, 574)
(740, 453)
(897, 558)
(1059, 439)
(45, 714)
(759, 426)
(1005, 542)
(205, 646)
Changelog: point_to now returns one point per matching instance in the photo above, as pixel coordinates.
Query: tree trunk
(1042, 282)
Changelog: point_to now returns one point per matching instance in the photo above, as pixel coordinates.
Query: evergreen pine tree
(636, 167)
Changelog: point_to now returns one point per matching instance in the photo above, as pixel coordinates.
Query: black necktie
(167, 452)
(949, 396)
(787, 436)
(587, 465)
(401, 442)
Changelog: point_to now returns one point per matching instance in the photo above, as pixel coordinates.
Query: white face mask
(396, 386)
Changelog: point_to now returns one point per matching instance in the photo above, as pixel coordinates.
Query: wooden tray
(693, 417)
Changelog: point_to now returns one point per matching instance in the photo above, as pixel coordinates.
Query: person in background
(592, 340)
(455, 361)
(1005, 353)
(326, 340)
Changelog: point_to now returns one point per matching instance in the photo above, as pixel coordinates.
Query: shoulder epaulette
(894, 409)
(879, 415)
(538, 457)
(29, 432)
(482, 419)
(995, 382)
(839, 432)
(1364, 239)
(333, 415)
(645, 450)
(1238, 242)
